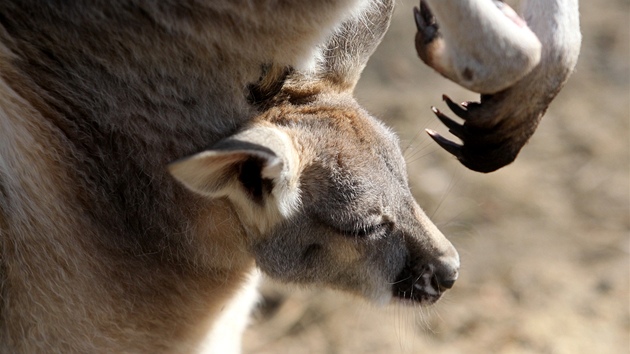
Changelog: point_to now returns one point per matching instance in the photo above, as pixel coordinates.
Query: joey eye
(368, 230)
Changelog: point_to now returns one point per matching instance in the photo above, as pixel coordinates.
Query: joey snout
(424, 278)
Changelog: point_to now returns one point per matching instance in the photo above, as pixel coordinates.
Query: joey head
(322, 190)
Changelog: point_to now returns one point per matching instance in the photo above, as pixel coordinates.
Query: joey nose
(426, 282)
(446, 273)
(445, 284)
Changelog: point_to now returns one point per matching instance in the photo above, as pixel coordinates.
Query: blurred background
(544, 243)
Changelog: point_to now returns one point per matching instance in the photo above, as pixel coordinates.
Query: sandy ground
(544, 242)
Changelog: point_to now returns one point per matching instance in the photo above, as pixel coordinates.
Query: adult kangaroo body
(102, 250)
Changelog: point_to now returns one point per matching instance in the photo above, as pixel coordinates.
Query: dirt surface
(544, 243)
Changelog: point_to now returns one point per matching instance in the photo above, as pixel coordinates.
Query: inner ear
(249, 164)
(249, 169)
(253, 180)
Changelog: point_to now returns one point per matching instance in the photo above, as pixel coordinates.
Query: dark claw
(455, 128)
(421, 25)
(451, 147)
(425, 22)
(427, 14)
(457, 109)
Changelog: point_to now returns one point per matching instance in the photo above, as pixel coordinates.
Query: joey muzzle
(425, 282)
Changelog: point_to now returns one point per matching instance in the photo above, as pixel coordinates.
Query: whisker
(455, 179)
(400, 281)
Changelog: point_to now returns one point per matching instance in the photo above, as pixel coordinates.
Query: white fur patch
(226, 334)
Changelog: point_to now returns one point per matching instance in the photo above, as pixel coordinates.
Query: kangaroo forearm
(484, 50)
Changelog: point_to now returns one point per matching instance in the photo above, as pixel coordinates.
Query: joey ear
(346, 53)
(251, 163)
(239, 166)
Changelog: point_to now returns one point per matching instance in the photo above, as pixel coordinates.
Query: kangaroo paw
(488, 143)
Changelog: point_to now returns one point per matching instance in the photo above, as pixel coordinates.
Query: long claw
(451, 147)
(429, 19)
(457, 109)
(425, 22)
(420, 24)
(454, 127)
